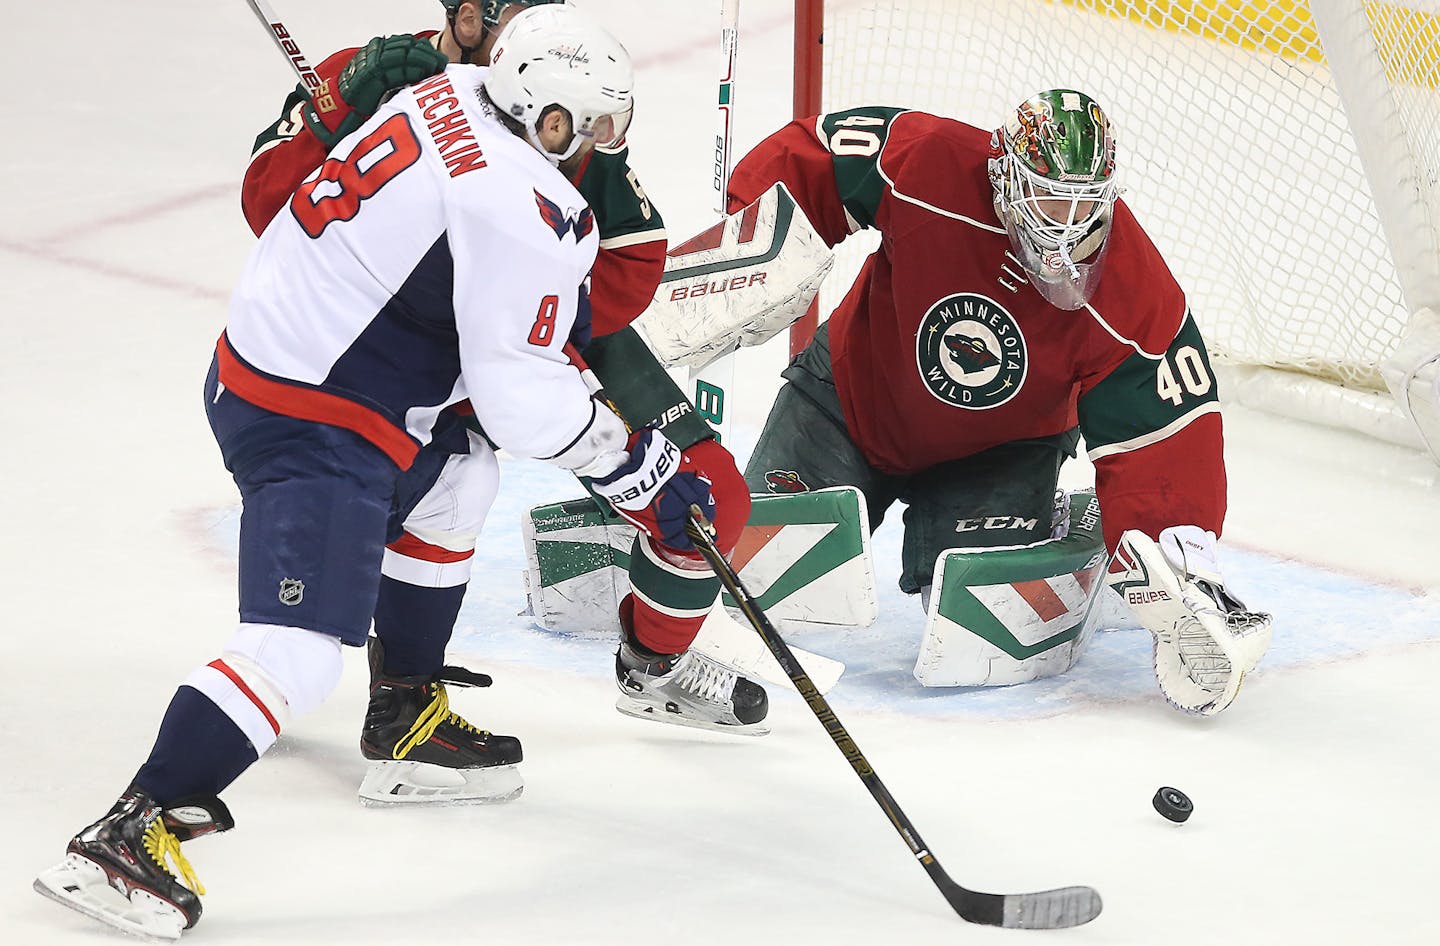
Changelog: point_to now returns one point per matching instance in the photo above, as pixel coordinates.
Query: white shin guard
(269, 674)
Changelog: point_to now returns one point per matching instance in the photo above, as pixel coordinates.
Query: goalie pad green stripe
(737, 283)
(841, 535)
(1008, 615)
(805, 555)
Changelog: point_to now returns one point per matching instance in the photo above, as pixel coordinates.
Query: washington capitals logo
(562, 221)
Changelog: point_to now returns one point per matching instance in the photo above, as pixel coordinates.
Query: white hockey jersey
(434, 257)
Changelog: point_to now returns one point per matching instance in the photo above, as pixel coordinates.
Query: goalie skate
(117, 871)
(1205, 640)
(689, 689)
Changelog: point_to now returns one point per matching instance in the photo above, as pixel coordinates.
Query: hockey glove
(655, 488)
(385, 64)
(1205, 639)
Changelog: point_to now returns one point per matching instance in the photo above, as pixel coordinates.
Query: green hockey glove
(385, 64)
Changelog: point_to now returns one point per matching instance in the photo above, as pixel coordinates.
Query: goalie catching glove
(1205, 639)
(655, 488)
(385, 64)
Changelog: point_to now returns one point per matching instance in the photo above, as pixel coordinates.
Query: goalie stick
(1041, 910)
(713, 384)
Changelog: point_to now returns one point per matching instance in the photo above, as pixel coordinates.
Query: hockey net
(1283, 155)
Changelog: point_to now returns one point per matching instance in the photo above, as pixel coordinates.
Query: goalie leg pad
(1002, 616)
(805, 556)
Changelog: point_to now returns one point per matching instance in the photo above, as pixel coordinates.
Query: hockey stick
(1042, 910)
(714, 383)
(284, 42)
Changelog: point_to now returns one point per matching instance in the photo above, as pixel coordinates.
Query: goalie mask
(1052, 166)
(553, 54)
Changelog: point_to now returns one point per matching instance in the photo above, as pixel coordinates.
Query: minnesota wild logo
(970, 352)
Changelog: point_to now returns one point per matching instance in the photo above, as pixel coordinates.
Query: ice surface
(120, 237)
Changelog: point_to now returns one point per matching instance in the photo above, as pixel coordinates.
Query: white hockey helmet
(556, 55)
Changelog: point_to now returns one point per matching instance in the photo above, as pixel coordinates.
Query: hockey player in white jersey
(360, 316)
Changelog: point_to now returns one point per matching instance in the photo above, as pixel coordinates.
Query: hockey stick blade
(1042, 910)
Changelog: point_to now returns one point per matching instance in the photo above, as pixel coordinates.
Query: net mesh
(1234, 147)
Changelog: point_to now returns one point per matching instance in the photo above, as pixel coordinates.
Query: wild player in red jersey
(427, 567)
(1014, 305)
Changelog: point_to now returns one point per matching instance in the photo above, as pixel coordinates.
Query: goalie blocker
(737, 284)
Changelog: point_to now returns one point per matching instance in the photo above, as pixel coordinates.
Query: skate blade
(402, 784)
(83, 886)
(642, 710)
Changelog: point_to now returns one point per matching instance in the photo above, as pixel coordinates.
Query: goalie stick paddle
(713, 385)
(1042, 910)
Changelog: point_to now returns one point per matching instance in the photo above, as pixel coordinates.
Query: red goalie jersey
(1129, 367)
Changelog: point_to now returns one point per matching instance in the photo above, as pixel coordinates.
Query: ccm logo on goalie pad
(634, 490)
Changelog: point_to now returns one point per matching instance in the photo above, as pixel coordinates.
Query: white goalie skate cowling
(418, 783)
(84, 886)
(1205, 640)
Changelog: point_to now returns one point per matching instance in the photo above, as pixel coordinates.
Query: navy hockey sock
(198, 751)
(415, 624)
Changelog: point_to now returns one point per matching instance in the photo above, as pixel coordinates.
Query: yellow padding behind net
(1407, 38)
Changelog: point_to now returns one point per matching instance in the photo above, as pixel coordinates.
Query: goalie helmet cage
(1283, 154)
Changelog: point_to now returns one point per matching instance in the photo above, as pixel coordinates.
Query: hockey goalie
(1013, 307)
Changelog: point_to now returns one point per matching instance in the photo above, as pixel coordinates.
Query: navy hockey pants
(320, 503)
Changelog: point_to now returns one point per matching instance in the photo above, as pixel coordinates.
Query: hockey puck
(1173, 804)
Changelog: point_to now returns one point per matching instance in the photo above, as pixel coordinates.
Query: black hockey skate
(118, 869)
(422, 752)
(688, 689)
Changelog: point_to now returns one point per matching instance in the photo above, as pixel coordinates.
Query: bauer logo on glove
(655, 488)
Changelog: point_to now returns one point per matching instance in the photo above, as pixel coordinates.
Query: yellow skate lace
(164, 846)
(429, 720)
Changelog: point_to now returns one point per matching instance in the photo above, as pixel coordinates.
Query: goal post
(1283, 154)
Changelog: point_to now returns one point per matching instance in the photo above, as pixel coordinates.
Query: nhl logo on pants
(292, 591)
